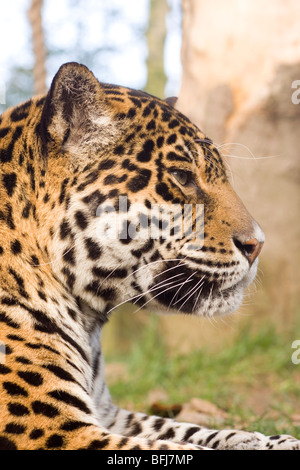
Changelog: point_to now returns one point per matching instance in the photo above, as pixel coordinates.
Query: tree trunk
(156, 36)
(241, 60)
(35, 18)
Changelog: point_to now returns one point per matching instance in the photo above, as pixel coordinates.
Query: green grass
(257, 363)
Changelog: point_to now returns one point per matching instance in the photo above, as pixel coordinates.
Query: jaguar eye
(181, 176)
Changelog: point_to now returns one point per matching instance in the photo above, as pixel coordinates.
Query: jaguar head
(145, 210)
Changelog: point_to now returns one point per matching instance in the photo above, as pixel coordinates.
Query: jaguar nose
(249, 248)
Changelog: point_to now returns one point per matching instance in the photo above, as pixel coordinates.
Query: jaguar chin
(179, 289)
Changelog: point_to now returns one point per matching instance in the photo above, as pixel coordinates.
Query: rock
(202, 413)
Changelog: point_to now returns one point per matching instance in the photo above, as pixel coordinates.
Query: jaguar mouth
(182, 290)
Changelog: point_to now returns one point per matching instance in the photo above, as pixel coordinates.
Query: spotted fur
(65, 160)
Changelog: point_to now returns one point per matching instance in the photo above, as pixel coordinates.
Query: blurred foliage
(20, 86)
(100, 35)
(68, 37)
(96, 56)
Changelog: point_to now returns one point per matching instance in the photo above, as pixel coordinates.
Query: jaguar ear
(171, 101)
(76, 113)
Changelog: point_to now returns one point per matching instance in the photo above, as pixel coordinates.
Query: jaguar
(71, 162)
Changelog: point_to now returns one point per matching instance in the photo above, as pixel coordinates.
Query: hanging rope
(39, 71)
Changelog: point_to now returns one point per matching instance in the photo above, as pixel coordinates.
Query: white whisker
(152, 298)
(179, 290)
(192, 292)
(151, 263)
(157, 286)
